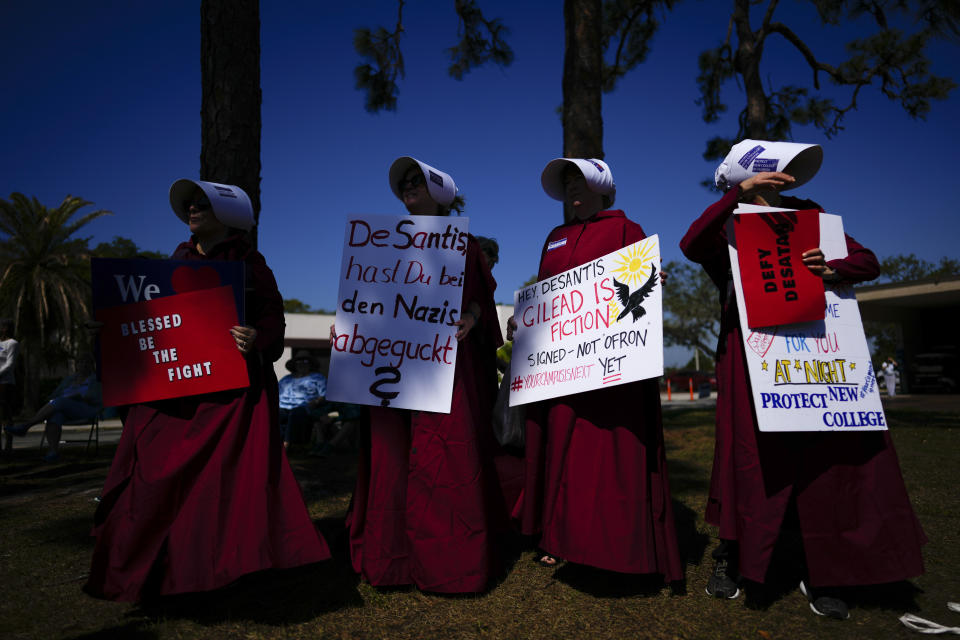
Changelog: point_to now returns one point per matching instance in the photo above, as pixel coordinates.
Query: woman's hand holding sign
(473, 313)
(244, 337)
(815, 261)
(511, 327)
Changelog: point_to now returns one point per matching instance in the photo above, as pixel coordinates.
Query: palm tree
(44, 276)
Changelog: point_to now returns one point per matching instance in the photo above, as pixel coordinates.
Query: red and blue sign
(166, 328)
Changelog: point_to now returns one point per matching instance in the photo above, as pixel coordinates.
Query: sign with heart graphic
(810, 375)
(166, 328)
(170, 347)
(119, 281)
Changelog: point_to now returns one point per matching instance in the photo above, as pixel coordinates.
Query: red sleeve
(478, 286)
(265, 313)
(706, 238)
(860, 264)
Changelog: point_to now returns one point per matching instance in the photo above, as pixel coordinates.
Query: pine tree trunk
(230, 107)
(747, 63)
(582, 67)
(582, 90)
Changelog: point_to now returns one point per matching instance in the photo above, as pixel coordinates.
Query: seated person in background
(77, 397)
(302, 398)
(342, 430)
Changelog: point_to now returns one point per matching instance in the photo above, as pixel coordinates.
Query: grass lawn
(46, 510)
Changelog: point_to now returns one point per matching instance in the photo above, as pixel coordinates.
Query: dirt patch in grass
(46, 511)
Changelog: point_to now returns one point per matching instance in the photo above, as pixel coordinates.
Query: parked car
(934, 372)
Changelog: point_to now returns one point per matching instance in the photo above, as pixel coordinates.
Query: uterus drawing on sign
(391, 376)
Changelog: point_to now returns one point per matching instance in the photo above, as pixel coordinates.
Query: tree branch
(768, 16)
(805, 51)
(624, 33)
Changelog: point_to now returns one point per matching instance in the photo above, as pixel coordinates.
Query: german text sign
(778, 287)
(401, 284)
(593, 326)
(170, 347)
(812, 376)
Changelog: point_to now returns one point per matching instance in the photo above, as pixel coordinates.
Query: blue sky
(102, 100)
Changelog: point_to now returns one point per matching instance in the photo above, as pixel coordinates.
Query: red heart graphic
(761, 341)
(186, 279)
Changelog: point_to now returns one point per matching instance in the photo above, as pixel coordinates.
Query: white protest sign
(401, 282)
(812, 376)
(593, 326)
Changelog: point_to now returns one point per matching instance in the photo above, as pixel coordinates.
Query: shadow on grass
(15, 464)
(898, 597)
(918, 417)
(511, 546)
(609, 584)
(56, 471)
(129, 631)
(273, 597)
(786, 570)
(693, 543)
(72, 533)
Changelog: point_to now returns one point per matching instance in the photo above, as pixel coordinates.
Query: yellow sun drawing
(632, 268)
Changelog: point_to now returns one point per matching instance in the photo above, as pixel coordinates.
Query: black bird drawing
(631, 302)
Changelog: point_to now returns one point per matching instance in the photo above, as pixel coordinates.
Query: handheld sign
(593, 326)
(778, 287)
(119, 281)
(812, 376)
(401, 284)
(170, 347)
(129, 290)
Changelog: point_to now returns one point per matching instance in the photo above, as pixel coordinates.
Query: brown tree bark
(582, 81)
(230, 104)
(582, 87)
(747, 61)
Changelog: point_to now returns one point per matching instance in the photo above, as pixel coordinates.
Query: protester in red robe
(427, 509)
(846, 490)
(597, 489)
(200, 491)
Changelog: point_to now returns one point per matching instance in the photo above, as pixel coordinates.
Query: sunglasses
(411, 183)
(199, 205)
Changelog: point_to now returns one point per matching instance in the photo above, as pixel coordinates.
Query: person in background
(597, 489)
(890, 376)
(843, 490)
(302, 398)
(200, 491)
(426, 509)
(490, 249)
(9, 401)
(77, 397)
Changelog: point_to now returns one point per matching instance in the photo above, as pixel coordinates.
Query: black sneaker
(825, 605)
(721, 583)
